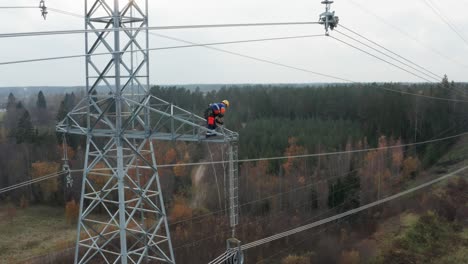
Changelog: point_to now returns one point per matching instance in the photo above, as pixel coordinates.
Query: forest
(279, 121)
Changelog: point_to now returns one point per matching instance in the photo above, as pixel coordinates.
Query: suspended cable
(377, 57)
(255, 58)
(305, 70)
(18, 7)
(320, 154)
(226, 232)
(192, 44)
(82, 31)
(295, 190)
(36, 180)
(27, 183)
(350, 212)
(64, 12)
(298, 243)
(161, 48)
(256, 159)
(321, 214)
(407, 35)
(447, 21)
(436, 76)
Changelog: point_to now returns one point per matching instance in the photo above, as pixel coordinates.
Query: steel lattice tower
(122, 212)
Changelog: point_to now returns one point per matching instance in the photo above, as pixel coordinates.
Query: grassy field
(33, 232)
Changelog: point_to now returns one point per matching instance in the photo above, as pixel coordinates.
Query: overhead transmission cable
(381, 59)
(222, 257)
(253, 160)
(445, 19)
(306, 70)
(296, 189)
(82, 31)
(428, 72)
(350, 212)
(320, 154)
(36, 180)
(18, 7)
(193, 44)
(407, 35)
(162, 48)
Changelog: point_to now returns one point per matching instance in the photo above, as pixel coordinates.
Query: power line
(305, 70)
(390, 51)
(64, 12)
(446, 20)
(377, 57)
(193, 44)
(18, 7)
(257, 159)
(82, 31)
(391, 57)
(162, 48)
(298, 243)
(435, 76)
(321, 154)
(254, 58)
(33, 181)
(292, 190)
(226, 256)
(350, 212)
(407, 35)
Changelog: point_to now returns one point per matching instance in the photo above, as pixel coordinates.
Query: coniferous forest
(279, 122)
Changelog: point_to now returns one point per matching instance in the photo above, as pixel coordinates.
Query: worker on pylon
(214, 116)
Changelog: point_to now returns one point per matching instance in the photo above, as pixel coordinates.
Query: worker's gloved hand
(219, 121)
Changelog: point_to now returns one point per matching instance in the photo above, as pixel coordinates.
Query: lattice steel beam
(122, 213)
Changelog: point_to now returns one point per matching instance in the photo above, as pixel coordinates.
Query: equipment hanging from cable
(66, 166)
(234, 246)
(43, 8)
(328, 18)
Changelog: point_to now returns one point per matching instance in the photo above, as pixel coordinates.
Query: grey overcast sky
(200, 65)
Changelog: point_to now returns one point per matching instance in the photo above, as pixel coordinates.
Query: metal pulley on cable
(43, 8)
(234, 245)
(328, 18)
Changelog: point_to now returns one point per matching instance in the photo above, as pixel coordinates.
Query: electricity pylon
(122, 211)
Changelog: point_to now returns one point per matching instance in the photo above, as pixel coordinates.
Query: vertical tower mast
(122, 215)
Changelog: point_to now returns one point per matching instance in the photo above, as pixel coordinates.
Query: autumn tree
(72, 210)
(47, 190)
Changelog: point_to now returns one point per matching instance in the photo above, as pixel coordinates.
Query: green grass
(408, 219)
(33, 232)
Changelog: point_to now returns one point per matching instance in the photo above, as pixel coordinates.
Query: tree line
(273, 121)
